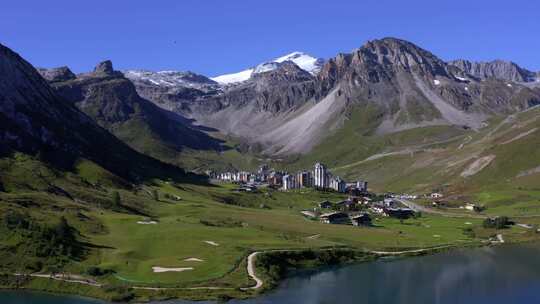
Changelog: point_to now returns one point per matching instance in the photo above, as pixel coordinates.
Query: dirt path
(251, 271)
(62, 277)
(419, 208)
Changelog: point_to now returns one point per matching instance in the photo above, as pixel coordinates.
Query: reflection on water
(509, 274)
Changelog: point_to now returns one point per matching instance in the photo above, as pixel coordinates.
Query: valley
(105, 190)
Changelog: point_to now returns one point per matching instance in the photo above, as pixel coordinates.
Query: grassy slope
(433, 158)
(131, 249)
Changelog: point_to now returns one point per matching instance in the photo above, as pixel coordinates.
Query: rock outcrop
(497, 69)
(57, 74)
(34, 119)
(113, 102)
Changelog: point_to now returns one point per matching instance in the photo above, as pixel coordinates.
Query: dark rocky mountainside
(498, 69)
(112, 101)
(35, 120)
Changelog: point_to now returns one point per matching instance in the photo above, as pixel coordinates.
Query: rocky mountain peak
(104, 67)
(284, 71)
(57, 74)
(399, 54)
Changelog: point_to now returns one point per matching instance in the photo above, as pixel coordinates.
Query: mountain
(57, 74)
(112, 101)
(168, 88)
(304, 61)
(281, 111)
(35, 120)
(499, 69)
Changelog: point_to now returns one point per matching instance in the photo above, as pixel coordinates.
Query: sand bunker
(193, 260)
(211, 243)
(166, 269)
(146, 222)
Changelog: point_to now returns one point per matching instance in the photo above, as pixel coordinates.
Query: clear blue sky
(218, 36)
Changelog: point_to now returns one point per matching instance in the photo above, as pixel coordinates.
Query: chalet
(334, 218)
(390, 202)
(365, 200)
(401, 213)
(309, 214)
(346, 205)
(362, 219)
(325, 205)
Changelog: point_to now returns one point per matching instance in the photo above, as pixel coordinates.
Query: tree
(116, 199)
(63, 230)
(498, 223)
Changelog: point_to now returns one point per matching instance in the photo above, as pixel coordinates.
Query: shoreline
(263, 283)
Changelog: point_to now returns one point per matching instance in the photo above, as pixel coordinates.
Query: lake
(505, 274)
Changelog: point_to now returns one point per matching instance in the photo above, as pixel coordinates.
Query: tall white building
(289, 182)
(320, 176)
(338, 184)
(361, 185)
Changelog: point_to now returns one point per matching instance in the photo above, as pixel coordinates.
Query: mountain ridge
(113, 102)
(36, 121)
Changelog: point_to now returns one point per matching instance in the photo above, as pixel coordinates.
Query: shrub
(500, 222)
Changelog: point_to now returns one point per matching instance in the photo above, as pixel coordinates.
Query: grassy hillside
(497, 166)
(72, 222)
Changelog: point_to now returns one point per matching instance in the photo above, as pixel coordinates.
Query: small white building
(436, 195)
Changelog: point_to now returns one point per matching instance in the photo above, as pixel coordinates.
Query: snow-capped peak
(304, 61)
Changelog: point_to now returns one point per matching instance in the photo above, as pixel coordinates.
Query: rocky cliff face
(113, 102)
(168, 89)
(285, 110)
(412, 87)
(34, 119)
(498, 69)
(57, 74)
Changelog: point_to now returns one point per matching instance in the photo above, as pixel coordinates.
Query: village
(357, 209)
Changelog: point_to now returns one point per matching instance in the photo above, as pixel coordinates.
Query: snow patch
(234, 78)
(304, 61)
(266, 67)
